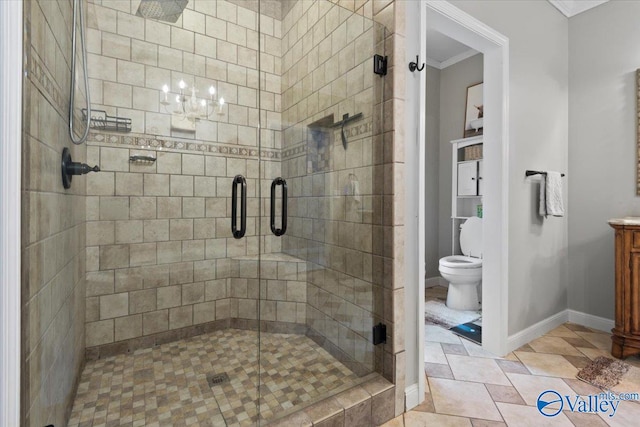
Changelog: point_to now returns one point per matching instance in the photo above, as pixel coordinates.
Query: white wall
(538, 139)
(432, 162)
(603, 57)
(454, 81)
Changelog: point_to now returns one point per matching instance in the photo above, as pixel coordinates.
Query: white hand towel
(553, 194)
(542, 208)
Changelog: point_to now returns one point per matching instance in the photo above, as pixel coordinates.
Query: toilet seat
(461, 262)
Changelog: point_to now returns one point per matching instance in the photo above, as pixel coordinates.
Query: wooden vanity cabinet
(626, 333)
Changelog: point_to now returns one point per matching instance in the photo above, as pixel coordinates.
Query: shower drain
(217, 379)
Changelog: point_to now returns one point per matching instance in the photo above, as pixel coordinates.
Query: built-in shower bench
(276, 281)
(273, 266)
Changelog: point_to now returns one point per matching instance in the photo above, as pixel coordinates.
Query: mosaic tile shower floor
(167, 385)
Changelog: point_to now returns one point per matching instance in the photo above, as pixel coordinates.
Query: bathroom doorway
(460, 26)
(450, 22)
(452, 69)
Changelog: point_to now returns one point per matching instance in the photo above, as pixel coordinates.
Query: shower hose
(77, 10)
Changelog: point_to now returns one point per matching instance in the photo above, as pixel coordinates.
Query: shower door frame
(10, 170)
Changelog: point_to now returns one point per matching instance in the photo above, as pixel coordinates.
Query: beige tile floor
(467, 386)
(167, 385)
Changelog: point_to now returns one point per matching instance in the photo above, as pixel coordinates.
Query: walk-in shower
(225, 265)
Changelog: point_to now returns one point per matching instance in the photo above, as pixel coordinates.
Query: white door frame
(453, 22)
(10, 162)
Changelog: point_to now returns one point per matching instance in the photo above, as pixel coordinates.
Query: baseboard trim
(535, 331)
(591, 321)
(412, 397)
(529, 334)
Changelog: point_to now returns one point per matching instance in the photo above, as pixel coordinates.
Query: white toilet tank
(471, 237)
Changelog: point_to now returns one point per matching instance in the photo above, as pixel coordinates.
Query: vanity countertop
(629, 220)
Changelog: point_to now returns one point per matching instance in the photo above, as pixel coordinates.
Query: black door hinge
(380, 65)
(379, 334)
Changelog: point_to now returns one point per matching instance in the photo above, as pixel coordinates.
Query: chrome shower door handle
(274, 184)
(239, 234)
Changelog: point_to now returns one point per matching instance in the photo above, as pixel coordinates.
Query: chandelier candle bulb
(165, 90)
(189, 106)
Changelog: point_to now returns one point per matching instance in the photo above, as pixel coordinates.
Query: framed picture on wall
(474, 111)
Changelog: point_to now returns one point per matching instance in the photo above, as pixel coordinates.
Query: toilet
(464, 272)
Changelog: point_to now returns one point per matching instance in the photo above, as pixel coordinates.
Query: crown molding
(453, 60)
(433, 63)
(571, 8)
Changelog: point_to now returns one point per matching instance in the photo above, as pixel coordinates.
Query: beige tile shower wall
(160, 253)
(156, 213)
(213, 43)
(336, 213)
(53, 220)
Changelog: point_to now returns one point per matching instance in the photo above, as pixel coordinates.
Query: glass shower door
(321, 209)
(230, 265)
(173, 237)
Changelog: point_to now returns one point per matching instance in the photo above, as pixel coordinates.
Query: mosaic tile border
(41, 78)
(351, 131)
(147, 141)
(295, 151)
(354, 130)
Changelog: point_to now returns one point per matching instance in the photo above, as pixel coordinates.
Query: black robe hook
(414, 65)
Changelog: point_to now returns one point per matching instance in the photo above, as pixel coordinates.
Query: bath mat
(436, 311)
(470, 331)
(603, 372)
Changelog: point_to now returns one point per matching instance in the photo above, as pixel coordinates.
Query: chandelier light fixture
(186, 109)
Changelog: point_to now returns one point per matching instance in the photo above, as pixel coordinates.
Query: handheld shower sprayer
(77, 10)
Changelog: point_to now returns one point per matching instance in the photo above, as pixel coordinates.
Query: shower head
(163, 10)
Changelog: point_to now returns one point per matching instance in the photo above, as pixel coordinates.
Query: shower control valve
(70, 168)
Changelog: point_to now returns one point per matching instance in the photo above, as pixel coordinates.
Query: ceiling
(443, 51)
